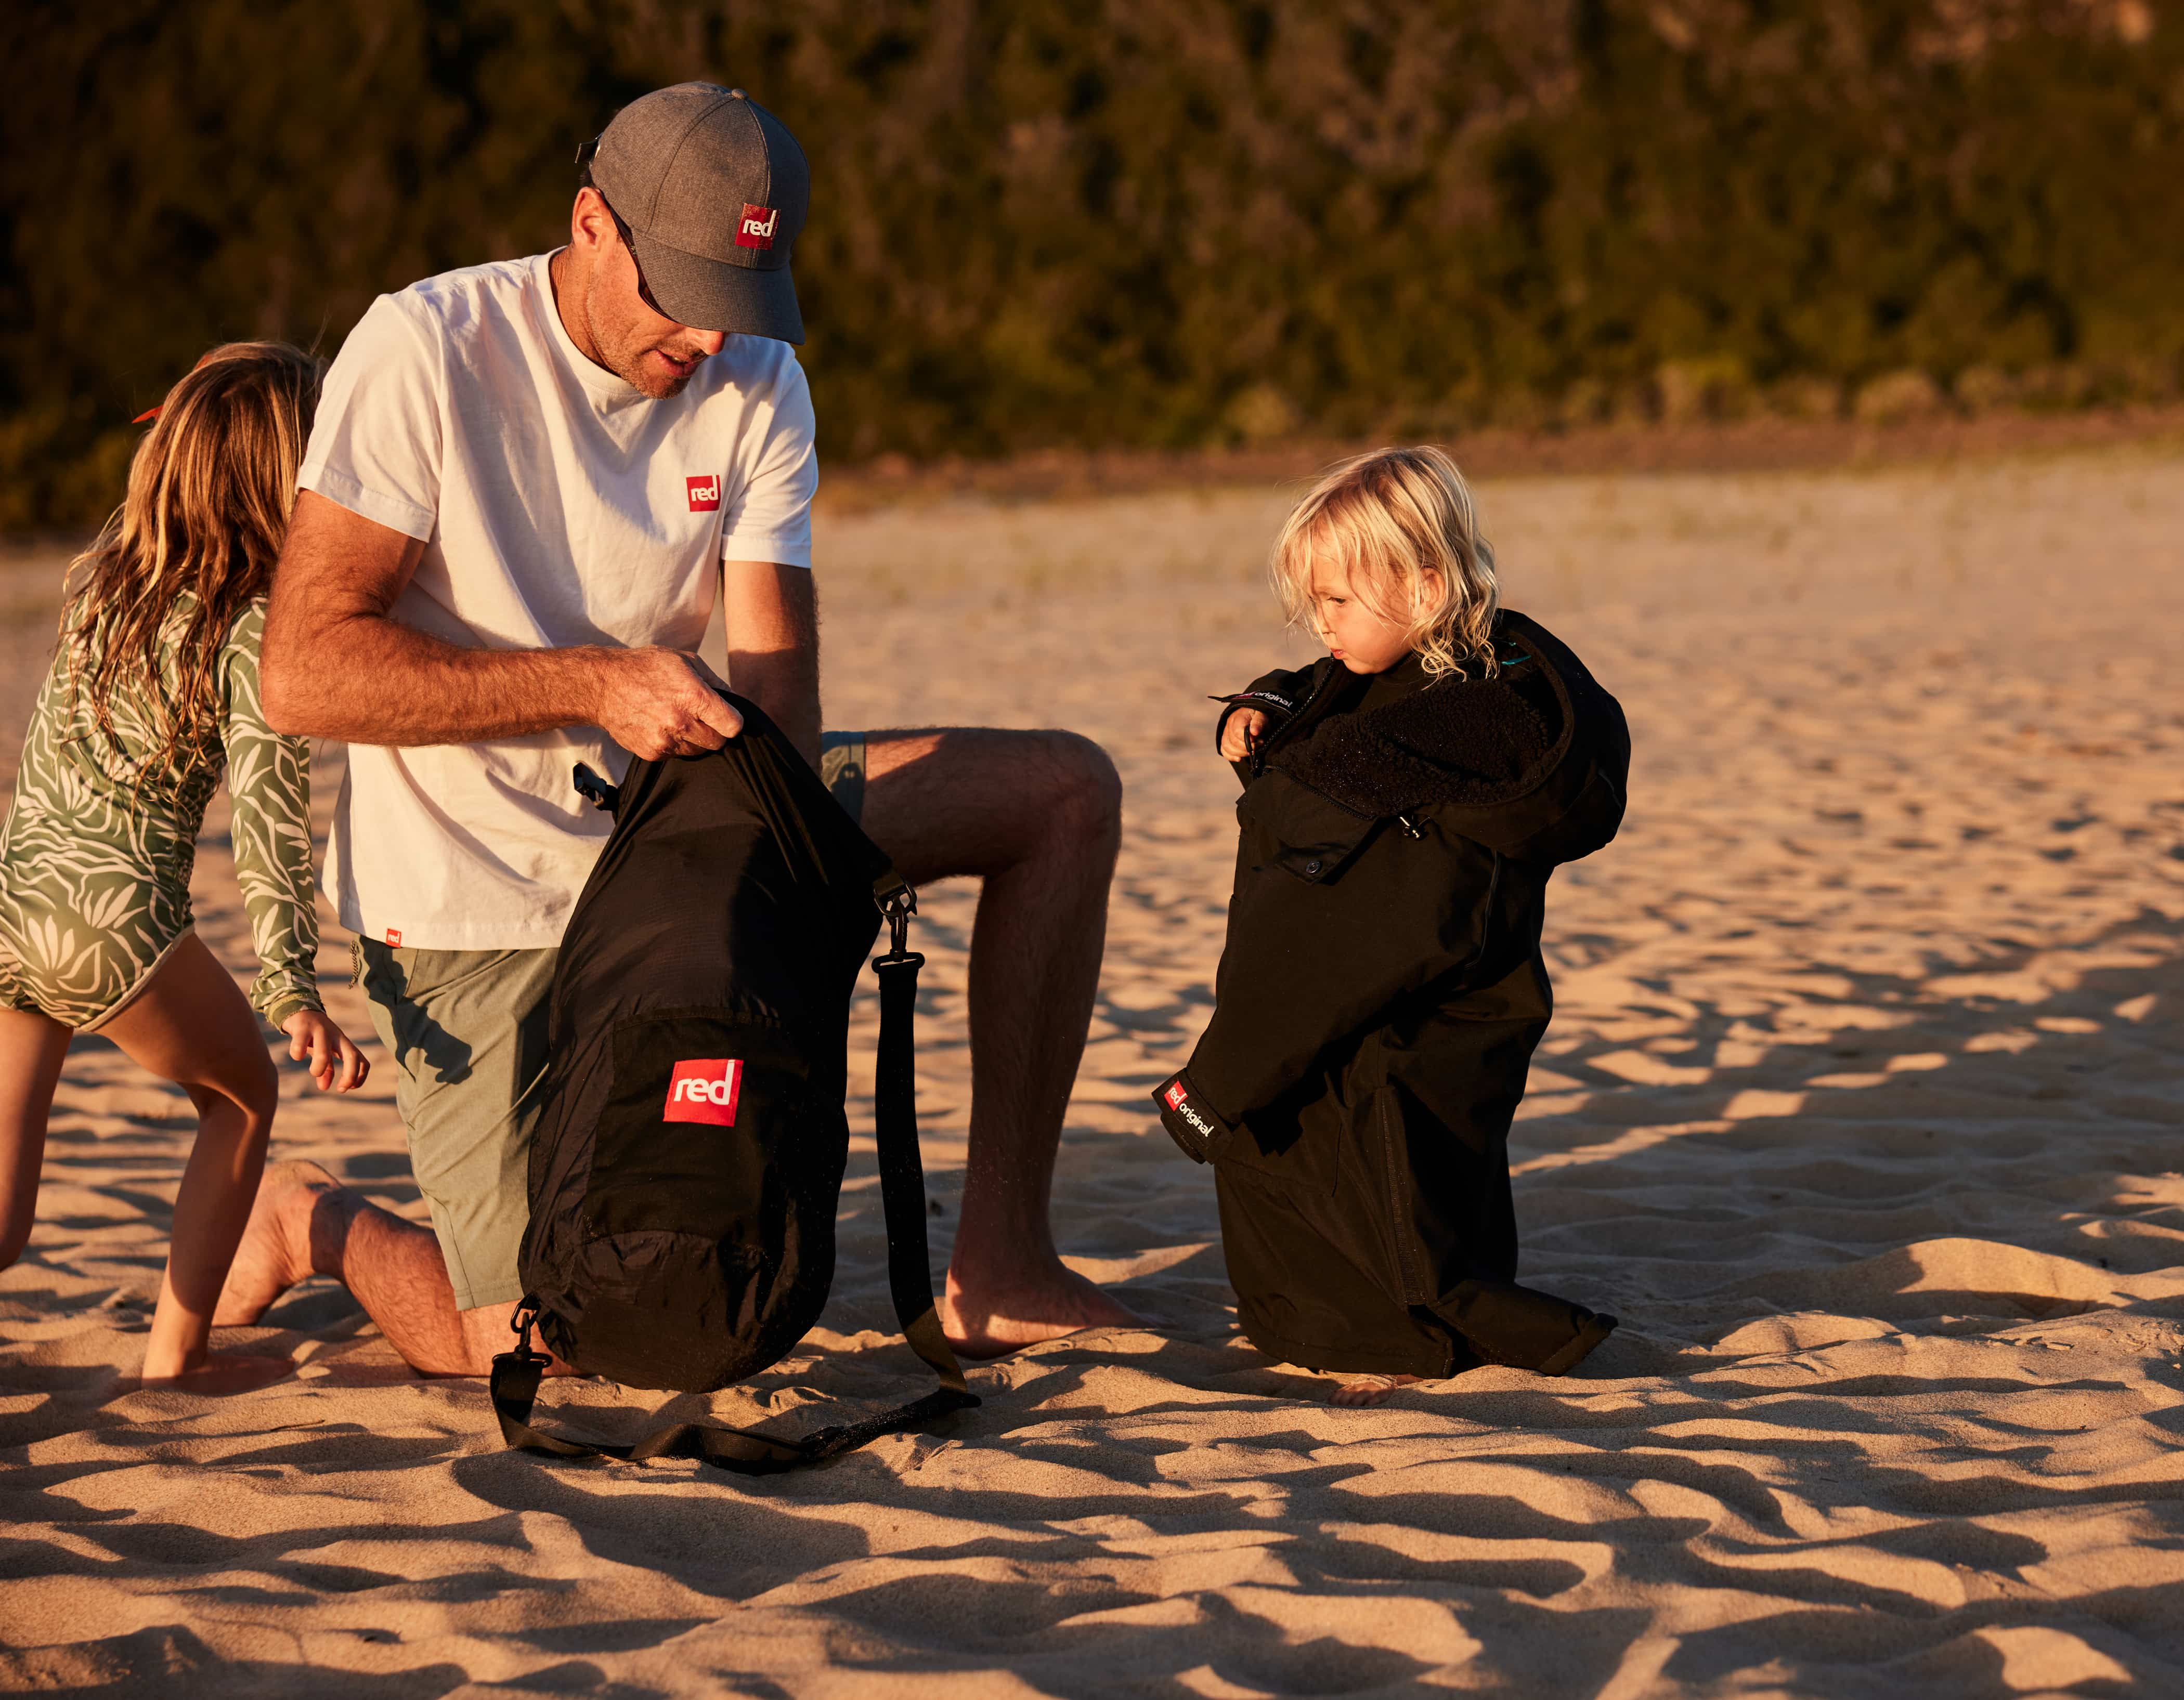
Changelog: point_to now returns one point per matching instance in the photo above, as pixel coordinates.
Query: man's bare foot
(276, 1253)
(1369, 1390)
(988, 1320)
(223, 1373)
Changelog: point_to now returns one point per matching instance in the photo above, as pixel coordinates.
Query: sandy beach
(1862, 1108)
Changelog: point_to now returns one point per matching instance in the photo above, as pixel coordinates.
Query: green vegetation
(1146, 222)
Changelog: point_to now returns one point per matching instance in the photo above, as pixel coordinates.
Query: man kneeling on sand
(524, 483)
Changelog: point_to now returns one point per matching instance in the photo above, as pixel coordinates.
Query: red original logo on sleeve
(705, 493)
(756, 230)
(705, 1090)
(1176, 1095)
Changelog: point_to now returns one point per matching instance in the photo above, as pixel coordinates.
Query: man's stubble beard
(630, 368)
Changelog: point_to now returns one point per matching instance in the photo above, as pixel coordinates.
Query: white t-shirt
(558, 506)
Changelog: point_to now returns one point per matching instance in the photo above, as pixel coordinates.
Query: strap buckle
(899, 902)
(596, 791)
(524, 1319)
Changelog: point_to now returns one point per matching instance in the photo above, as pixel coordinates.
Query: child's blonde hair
(1386, 517)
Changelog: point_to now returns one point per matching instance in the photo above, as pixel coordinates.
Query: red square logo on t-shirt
(705, 493)
(705, 1090)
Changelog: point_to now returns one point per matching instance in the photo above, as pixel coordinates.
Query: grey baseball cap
(713, 190)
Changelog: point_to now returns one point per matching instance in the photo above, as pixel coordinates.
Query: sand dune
(1861, 1107)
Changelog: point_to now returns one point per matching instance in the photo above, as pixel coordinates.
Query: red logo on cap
(756, 230)
(705, 1091)
(705, 493)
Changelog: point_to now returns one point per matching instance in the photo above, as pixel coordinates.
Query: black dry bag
(685, 1173)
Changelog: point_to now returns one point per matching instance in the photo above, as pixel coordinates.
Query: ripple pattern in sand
(1861, 1107)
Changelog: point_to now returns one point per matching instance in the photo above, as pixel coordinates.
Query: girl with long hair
(151, 699)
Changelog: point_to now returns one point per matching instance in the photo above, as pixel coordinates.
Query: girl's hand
(1240, 736)
(336, 1064)
(219, 1373)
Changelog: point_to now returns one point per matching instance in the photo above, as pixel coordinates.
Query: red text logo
(705, 493)
(394, 936)
(756, 230)
(705, 1090)
(1176, 1095)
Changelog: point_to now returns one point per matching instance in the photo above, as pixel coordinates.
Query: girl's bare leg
(191, 1026)
(32, 1047)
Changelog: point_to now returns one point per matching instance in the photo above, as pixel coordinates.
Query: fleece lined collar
(1473, 742)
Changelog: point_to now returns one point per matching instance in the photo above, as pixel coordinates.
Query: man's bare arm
(337, 665)
(771, 614)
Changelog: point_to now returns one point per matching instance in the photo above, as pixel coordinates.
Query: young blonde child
(153, 696)
(1382, 989)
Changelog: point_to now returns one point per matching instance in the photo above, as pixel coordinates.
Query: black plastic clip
(595, 789)
(524, 1319)
(899, 902)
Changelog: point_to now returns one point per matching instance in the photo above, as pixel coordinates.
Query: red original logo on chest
(705, 493)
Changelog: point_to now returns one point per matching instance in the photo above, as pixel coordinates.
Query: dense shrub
(1147, 222)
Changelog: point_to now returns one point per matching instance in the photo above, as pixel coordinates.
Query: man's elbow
(283, 694)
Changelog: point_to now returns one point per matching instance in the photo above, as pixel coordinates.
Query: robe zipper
(1301, 718)
(1408, 1281)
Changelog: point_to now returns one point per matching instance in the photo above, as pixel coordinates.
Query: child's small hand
(336, 1063)
(1240, 736)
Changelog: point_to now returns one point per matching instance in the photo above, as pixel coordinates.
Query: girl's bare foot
(276, 1253)
(1369, 1390)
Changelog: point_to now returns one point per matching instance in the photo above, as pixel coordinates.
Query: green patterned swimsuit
(95, 874)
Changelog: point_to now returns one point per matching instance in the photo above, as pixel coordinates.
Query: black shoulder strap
(894, 1133)
(516, 1374)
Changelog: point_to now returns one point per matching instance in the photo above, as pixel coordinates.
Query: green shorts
(467, 1031)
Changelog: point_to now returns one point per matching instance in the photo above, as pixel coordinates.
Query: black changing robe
(1378, 999)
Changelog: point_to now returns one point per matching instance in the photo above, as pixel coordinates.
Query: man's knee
(978, 800)
(1085, 803)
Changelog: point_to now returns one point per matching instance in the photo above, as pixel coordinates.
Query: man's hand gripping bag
(685, 1173)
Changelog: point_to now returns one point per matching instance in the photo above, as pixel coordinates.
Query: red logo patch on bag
(756, 230)
(705, 493)
(705, 1090)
